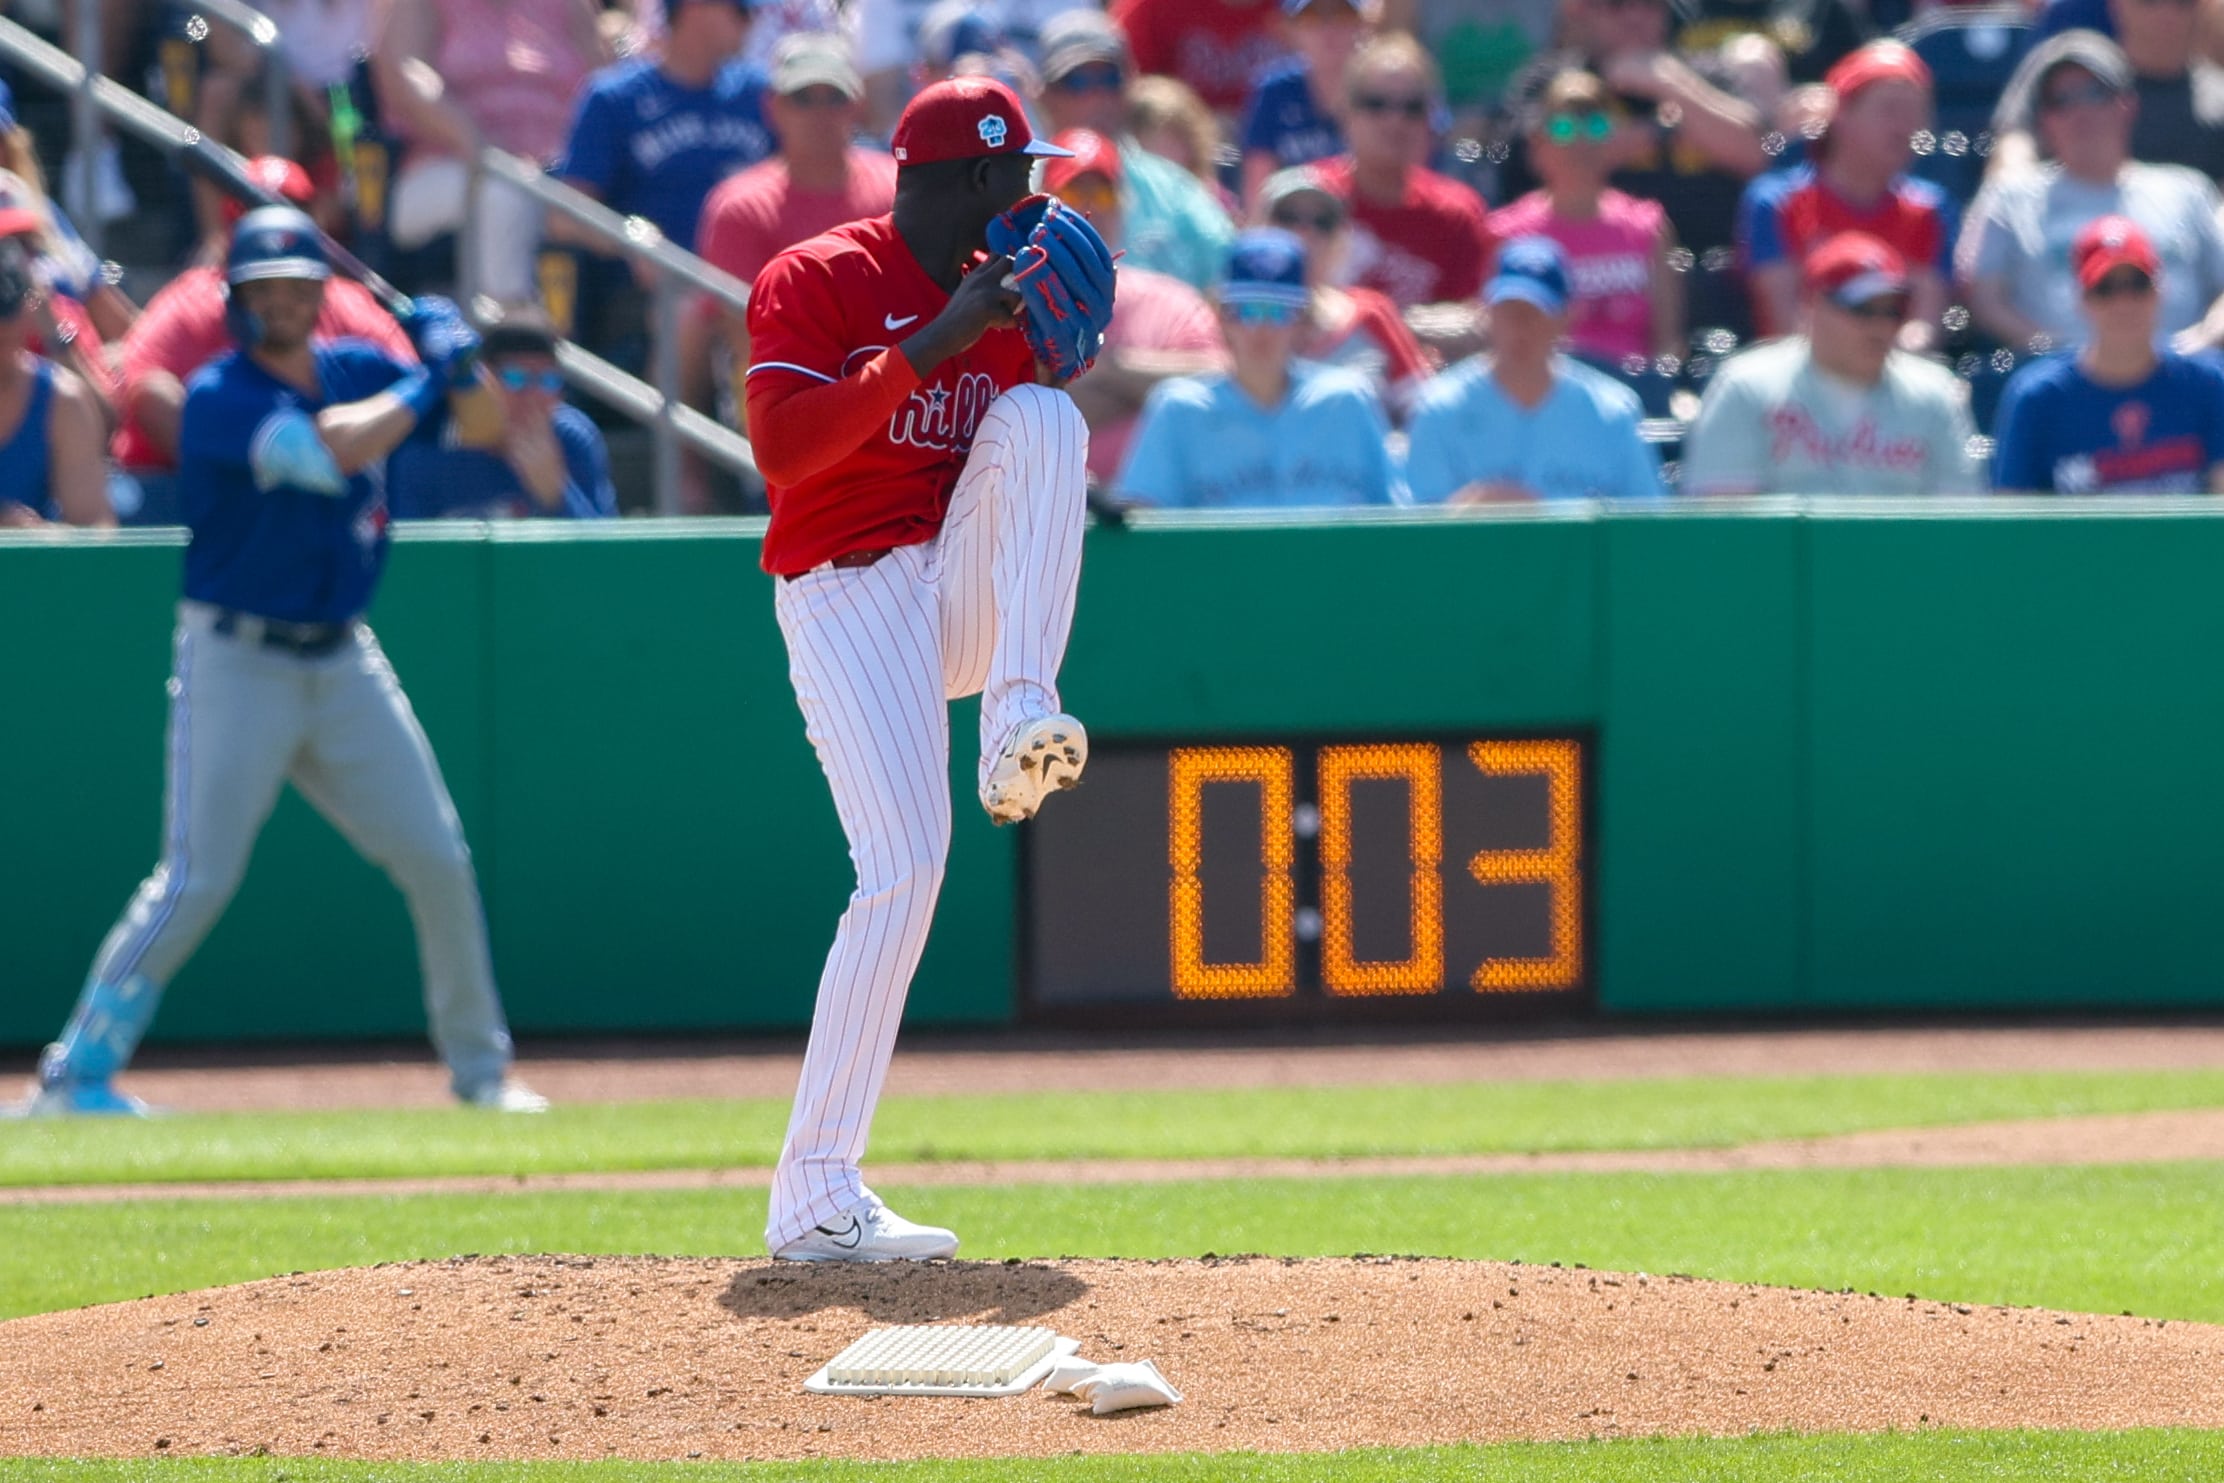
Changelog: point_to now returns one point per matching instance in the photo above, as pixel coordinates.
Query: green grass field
(1334, 1122)
(2144, 1238)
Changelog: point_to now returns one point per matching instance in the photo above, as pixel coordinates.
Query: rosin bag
(1109, 1388)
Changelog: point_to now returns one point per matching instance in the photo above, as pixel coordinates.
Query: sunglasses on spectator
(2122, 283)
(1884, 308)
(1100, 78)
(2090, 95)
(517, 378)
(1263, 314)
(1566, 128)
(1090, 197)
(817, 96)
(1407, 108)
(1323, 222)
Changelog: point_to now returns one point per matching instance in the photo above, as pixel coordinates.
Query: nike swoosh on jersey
(891, 322)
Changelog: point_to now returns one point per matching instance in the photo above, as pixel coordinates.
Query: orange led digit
(1422, 769)
(1558, 865)
(1272, 771)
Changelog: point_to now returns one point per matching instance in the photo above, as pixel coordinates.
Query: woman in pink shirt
(1628, 304)
(454, 75)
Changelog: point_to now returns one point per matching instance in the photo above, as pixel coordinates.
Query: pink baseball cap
(966, 118)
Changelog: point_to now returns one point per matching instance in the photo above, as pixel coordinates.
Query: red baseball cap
(1088, 153)
(278, 175)
(1879, 61)
(965, 118)
(1853, 268)
(2112, 242)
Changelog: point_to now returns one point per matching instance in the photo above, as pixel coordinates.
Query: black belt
(304, 640)
(847, 559)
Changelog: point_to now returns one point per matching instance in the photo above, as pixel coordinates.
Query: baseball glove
(1063, 274)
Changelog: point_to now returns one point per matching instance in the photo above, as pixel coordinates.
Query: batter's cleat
(1041, 757)
(79, 1099)
(870, 1232)
(506, 1095)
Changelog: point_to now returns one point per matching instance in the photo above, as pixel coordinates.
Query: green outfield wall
(1846, 756)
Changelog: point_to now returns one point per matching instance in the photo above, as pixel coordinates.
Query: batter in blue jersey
(281, 473)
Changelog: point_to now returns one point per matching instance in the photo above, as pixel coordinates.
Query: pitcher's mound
(645, 1358)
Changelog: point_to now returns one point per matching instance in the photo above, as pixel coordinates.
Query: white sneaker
(1039, 758)
(870, 1232)
(507, 1095)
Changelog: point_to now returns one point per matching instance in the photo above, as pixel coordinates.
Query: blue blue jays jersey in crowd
(430, 478)
(282, 552)
(2061, 432)
(650, 147)
(1203, 444)
(1285, 120)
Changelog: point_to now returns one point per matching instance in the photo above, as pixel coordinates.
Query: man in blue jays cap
(1528, 423)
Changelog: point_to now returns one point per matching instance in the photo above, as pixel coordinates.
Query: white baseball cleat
(870, 1232)
(1039, 758)
(506, 1095)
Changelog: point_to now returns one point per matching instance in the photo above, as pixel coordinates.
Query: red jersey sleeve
(806, 409)
(77, 325)
(1379, 321)
(351, 313)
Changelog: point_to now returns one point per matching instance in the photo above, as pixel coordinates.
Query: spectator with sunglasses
(1161, 327)
(2119, 416)
(1840, 409)
(1295, 113)
(1628, 298)
(1173, 223)
(1527, 423)
(1351, 327)
(2180, 92)
(1420, 238)
(2022, 224)
(1691, 143)
(547, 460)
(819, 179)
(1272, 431)
(51, 469)
(1216, 46)
(1856, 181)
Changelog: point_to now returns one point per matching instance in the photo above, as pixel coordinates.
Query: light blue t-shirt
(1581, 442)
(1203, 444)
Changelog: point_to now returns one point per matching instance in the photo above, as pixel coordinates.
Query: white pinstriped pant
(876, 654)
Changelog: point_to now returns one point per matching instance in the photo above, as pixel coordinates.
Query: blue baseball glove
(1063, 274)
(445, 341)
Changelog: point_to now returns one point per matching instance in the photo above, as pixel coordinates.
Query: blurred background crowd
(1375, 251)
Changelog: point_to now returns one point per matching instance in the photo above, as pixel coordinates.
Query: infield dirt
(645, 1358)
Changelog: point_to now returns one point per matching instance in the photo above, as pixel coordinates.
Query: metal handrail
(262, 33)
(590, 373)
(675, 269)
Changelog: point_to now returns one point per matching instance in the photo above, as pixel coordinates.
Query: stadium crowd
(1374, 251)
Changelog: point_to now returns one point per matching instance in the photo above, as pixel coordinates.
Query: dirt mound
(646, 1358)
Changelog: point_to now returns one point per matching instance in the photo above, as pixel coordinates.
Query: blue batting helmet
(269, 242)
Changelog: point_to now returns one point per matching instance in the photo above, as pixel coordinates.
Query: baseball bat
(225, 170)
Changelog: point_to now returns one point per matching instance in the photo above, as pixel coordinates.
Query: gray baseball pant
(245, 720)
